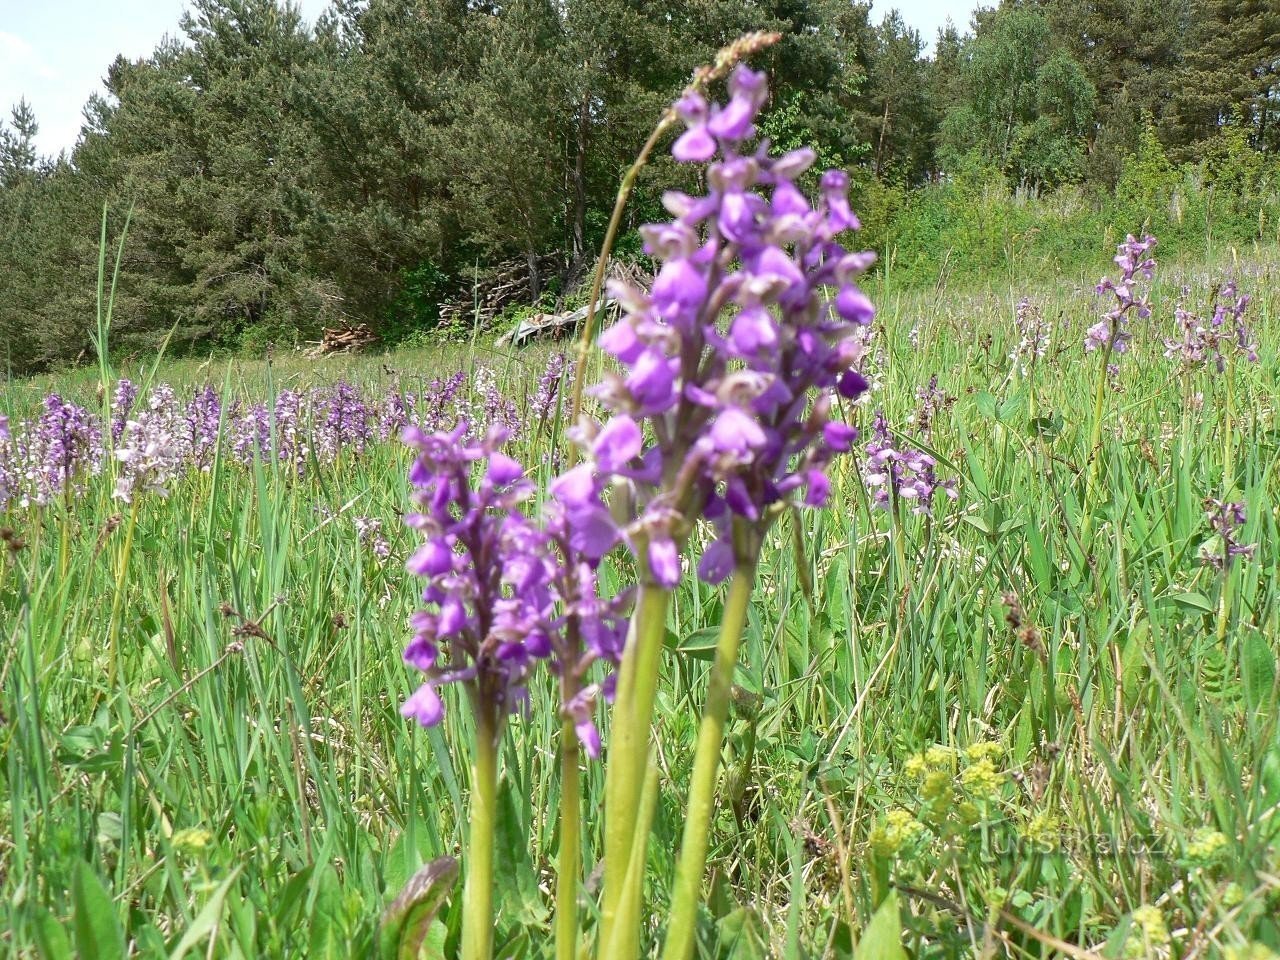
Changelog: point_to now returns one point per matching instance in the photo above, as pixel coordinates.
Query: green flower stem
(126, 552)
(628, 749)
(1225, 600)
(1095, 441)
(624, 939)
(569, 863)
(477, 894)
(687, 894)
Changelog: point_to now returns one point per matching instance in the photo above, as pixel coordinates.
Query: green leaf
(1049, 426)
(51, 938)
(740, 936)
(1259, 672)
(409, 929)
(978, 475)
(206, 918)
(326, 938)
(1135, 675)
(1008, 408)
(1189, 600)
(701, 644)
(883, 937)
(294, 894)
(95, 927)
(517, 897)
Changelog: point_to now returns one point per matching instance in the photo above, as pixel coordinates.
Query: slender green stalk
(569, 864)
(1226, 599)
(624, 940)
(1095, 443)
(125, 553)
(602, 263)
(687, 894)
(477, 894)
(629, 733)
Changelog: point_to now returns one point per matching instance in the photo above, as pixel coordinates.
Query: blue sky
(56, 52)
(927, 16)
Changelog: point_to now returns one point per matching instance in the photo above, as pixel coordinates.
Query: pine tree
(18, 155)
(1232, 70)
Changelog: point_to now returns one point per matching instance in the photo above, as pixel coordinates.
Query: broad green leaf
(1048, 427)
(51, 937)
(95, 926)
(740, 936)
(1189, 600)
(1259, 671)
(883, 937)
(701, 644)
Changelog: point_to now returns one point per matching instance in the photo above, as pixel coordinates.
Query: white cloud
(19, 59)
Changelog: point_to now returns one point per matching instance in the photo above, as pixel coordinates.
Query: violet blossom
(393, 414)
(735, 358)
(1034, 334)
(895, 470)
(1129, 294)
(551, 384)
(369, 535)
(202, 422)
(1225, 334)
(63, 447)
(149, 457)
(125, 394)
(343, 422)
(1226, 519)
(288, 431)
(250, 434)
(9, 474)
(932, 403)
(487, 573)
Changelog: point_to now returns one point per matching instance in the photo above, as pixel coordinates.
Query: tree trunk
(535, 284)
(580, 182)
(884, 129)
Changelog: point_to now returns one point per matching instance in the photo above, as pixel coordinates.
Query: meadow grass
(204, 756)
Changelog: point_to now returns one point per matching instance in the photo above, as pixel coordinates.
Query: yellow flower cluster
(983, 750)
(937, 759)
(1252, 951)
(192, 839)
(1147, 933)
(897, 830)
(1044, 831)
(1206, 845)
(982, 779)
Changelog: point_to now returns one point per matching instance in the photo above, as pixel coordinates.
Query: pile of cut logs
(488, 295)
(344, 339)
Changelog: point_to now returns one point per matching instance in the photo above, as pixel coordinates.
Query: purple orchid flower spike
(487, 576)
(734, 360)
(1130, 293)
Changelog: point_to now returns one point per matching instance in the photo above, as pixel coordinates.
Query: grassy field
(1044, 719)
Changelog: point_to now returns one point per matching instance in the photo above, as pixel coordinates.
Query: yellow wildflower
(1206, 845)
(982, 779)
(192, 839)
(897, 830)
(983, 750)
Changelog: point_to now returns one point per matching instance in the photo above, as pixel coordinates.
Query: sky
(55, 53)
(927, 16)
